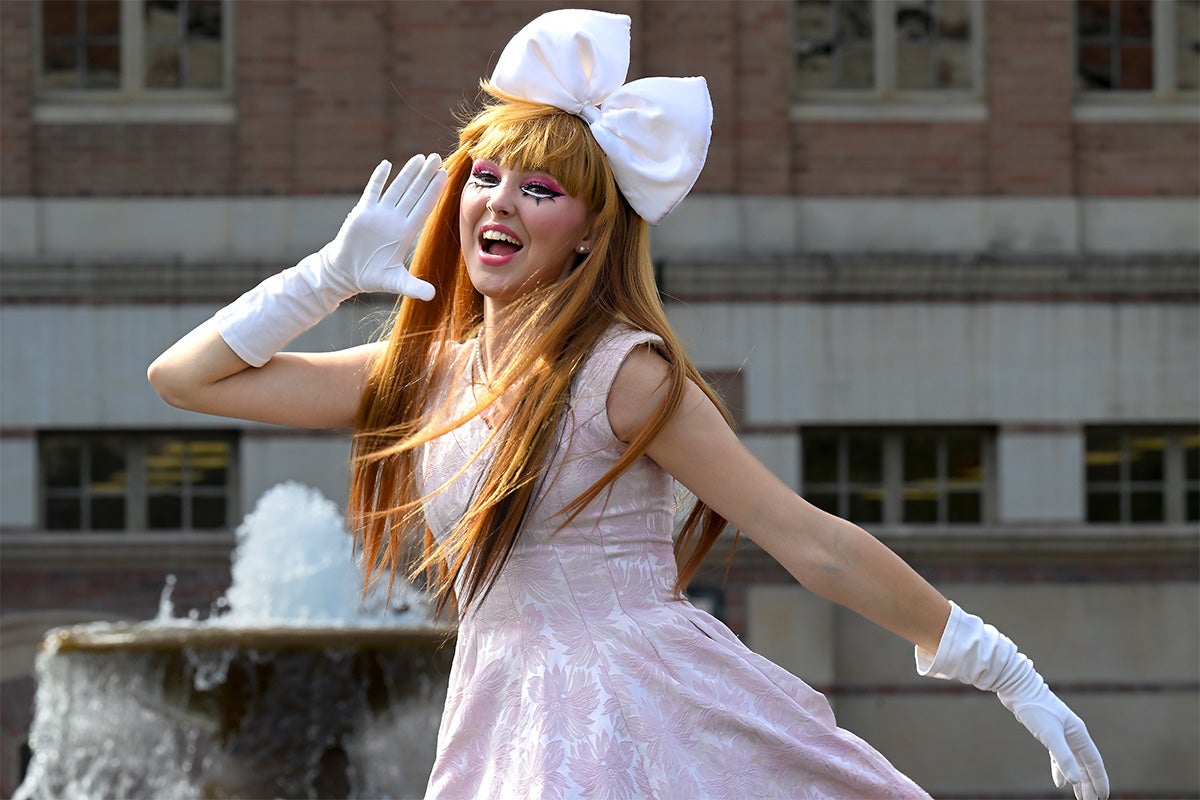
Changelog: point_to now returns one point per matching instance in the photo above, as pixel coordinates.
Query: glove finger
(423, 190)
(1056, 774)
(1061, 754)
(376, 183)
(425, 203)
(396, 191)
(1089, 756)
(409, 286)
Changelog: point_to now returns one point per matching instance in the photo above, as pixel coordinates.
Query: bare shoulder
(637, 391)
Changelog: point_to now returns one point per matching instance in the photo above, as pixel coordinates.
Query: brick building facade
(1011, 261)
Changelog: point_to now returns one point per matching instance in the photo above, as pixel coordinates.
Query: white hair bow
(655, 131)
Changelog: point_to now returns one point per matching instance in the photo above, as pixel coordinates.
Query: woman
(518, 436)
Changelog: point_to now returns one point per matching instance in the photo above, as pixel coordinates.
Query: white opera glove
(978, 654)
(367, 255)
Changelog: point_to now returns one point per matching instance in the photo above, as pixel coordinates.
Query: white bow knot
(655, 131)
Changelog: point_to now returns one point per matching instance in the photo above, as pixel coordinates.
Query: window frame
(1165, 102)
(885, 101)
(1175, 484)
(137, 491)
(893, 483)
(133, 101)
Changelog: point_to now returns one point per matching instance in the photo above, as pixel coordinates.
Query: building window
(118, 481)
(1137, 46)
(142, 50)
(886, 49)
(1143, 476)
(918, 477)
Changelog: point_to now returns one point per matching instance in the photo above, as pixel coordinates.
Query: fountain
(292, 688)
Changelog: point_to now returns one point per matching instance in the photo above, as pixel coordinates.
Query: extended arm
(843, 563)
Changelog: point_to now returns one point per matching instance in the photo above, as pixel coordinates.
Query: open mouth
(498, 243)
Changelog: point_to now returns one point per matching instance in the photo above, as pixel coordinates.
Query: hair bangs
(532, 137)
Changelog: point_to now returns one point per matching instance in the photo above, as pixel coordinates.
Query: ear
(584, 246)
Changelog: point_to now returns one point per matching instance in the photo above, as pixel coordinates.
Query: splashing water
(294, 565)
(293, 687)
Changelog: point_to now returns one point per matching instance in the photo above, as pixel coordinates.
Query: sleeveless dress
(581, 675)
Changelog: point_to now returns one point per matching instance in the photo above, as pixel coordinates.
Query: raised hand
(368, 253)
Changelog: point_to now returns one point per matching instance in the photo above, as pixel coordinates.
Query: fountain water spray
(292, 688)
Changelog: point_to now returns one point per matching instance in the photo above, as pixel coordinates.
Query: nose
(500, 201)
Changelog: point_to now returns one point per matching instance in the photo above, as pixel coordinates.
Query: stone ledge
(866, 276)
(102, 551)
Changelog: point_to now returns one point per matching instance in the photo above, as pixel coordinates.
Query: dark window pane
(1187, 45)
(208, 512)
(914, 22)
(103, 18)
(1136, 18)
(62, 463)
(208, 462)
(954, 20)
(853, 45)
(1146, 506)
(1191, 511)
(1146, 458)
(964, 461)
(1094, 18)
(165, 511)
(920, 510)
(920, 458)
(107, 472)
(813, 30)
(164, 464)
(1103, 457)
(866, 459)
(161, 19)
(1103, 507)
(856, 67)
(964, 507)
(1191, 457)
(204, 19)
(60, 18)
(820, 459)
(1096, 68)
(103, 66)
(108, 513)
(63, 513)
(162, 68)
(866, 507)
(205, 69)
(826, 501)
(60, 66)
(1137, 68)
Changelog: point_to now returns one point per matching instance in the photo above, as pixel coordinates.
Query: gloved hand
(367, 255)
(978, 654)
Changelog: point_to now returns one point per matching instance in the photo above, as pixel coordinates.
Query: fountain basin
(156, 711)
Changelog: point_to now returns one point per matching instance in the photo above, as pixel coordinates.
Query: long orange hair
(561, 324)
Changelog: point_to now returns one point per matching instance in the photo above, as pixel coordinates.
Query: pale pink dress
(582, 676)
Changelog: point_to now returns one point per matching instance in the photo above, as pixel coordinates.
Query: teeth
(497, 236)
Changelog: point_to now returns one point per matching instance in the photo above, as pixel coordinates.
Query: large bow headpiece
(655, 131)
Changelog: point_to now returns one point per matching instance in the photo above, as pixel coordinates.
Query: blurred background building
(943, 264)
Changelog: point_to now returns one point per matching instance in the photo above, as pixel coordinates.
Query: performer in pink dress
(518, 438)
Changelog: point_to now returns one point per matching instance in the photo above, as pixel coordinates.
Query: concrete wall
(1124, 656)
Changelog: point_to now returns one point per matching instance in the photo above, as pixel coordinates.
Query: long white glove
(978, 654)
(367, 255)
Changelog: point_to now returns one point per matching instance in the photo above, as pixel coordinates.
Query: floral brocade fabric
(581, 675)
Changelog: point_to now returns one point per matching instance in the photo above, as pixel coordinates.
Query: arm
(828, 555)
(841, 562)
(201, 373)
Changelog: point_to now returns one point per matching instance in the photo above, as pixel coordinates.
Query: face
(520, 230)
